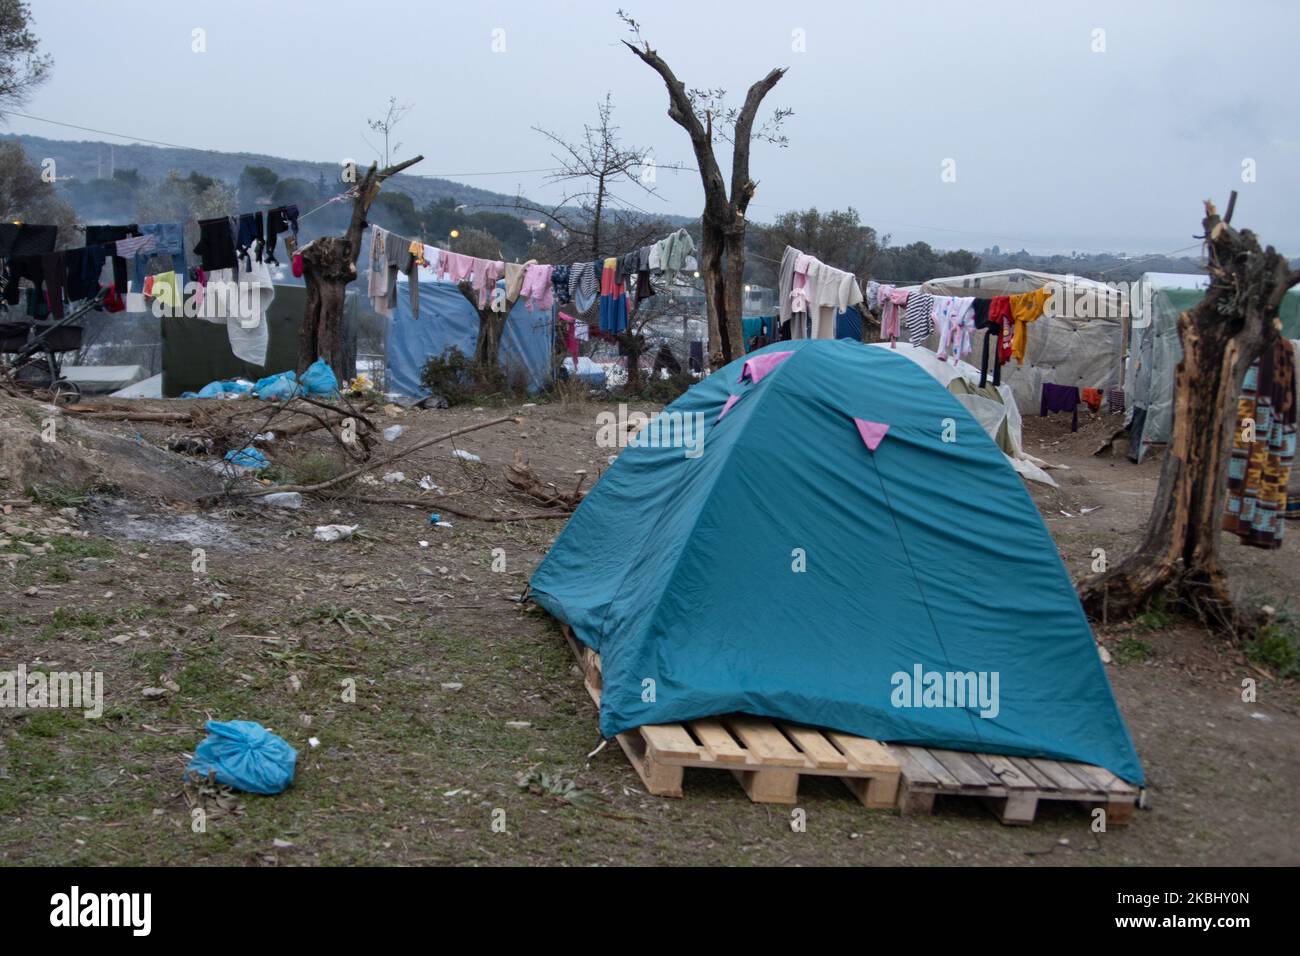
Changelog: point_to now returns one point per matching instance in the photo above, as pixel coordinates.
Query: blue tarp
(446, 319)
(848, 324)
(785, 570)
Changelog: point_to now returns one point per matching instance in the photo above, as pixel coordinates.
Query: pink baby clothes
(890, 317)
(484, 278)
(891, 311)
(571, 335)
(537, 287)
(457, 267)
(954, 316)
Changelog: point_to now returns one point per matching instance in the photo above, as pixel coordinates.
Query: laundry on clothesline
(811, 294)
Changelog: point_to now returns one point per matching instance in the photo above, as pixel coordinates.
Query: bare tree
(22, 66)
(595, 164)
(1221, 336)
(386, 124)
(481, 244)
(703, 114)
(329, 264)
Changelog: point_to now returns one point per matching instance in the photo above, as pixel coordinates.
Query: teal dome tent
(842, 546)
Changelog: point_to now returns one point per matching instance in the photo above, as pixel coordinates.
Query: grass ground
(460, 692)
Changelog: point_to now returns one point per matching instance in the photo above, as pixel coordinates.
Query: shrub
(666, 390)
(458, 379)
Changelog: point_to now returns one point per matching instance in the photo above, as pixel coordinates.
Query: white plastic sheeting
(1078, 340)
(1155, 351)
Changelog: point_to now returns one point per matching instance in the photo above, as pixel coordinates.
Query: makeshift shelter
(1155, 350)
(446, 319)
(101, 379)
(196, 351)
(839, 532)
(1078, 341)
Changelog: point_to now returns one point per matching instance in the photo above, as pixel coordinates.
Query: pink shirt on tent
(537, 287)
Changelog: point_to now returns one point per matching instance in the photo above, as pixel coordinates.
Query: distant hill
(89, 159)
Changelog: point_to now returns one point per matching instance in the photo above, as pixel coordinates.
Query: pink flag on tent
(760, 365)
(727, 407)
(873, 433)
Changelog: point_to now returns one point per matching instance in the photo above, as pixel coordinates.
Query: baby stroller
(30, 354)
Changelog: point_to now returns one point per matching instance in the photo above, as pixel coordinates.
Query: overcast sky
(1054, 146)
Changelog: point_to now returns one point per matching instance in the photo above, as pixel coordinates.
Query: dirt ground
(460, 690)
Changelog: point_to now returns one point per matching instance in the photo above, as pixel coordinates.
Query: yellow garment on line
(166, 287)
(1025, 308)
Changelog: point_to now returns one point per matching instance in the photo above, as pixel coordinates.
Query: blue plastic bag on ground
(281, 386)
(219, 389)
(249, 457)
(319, 379)
(246, 756)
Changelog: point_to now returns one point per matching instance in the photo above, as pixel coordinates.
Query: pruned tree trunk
(1221, 336)
(491, 325)
(723, 222)
(733, 334)
(328, 265)
(633, 346)
(711, 248)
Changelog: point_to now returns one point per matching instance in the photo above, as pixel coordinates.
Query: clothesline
(604, 281)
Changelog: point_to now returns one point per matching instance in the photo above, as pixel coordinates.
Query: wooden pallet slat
(866, 754)
(816, 748)
(719, 744)
(765, 742)
(1010, 776)
(670, 741)
(960, 767)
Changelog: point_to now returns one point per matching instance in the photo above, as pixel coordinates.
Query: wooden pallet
(767, 756)
(1010, 786)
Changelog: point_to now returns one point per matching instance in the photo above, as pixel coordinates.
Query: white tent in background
(1078, 341)
(150, 387)
(993, 407)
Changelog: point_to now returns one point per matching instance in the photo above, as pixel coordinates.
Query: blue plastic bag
(250, 457)
(319, 379)
(246, 756)
(281, 386)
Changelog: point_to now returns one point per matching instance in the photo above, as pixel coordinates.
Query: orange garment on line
(1025, 308)
(1091, 397)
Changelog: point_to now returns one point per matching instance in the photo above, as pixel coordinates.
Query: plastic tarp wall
(1071, 346)
(196, 352)
(1155, 350)
(447, 320)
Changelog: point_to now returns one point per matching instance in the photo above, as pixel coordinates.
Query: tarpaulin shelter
(1071, 344)
(446, 319)
(843, 526)
(1155, 350)
(196, 352)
